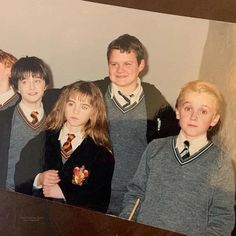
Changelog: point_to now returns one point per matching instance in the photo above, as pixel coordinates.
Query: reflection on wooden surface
(25, 215)
(222, 10)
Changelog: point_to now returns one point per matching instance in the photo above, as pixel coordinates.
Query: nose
(76, 109)
(194, 115)
(120, 68)
(32, 84)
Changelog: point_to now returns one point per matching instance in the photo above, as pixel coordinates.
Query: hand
(49, 177)
(53, 191)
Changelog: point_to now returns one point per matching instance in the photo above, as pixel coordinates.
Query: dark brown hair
(127, 43)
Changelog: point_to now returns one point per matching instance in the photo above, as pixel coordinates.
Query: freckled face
(124, 69)
(196, 113)
(78, 111)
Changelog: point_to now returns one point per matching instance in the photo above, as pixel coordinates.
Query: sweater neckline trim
(192, 157)
(121, 108)
(36, 126)
(12, 98)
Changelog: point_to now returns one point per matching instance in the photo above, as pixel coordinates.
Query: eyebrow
(185, 102)
(83, 103)
(33, 77)
(202, 105)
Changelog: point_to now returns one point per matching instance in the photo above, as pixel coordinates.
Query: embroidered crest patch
(80, 174)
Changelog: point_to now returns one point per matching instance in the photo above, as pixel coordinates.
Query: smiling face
(78, 112)
(31, 90)
(124, 69)
(196, 113)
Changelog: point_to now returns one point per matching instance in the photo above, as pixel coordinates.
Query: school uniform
(8, 99)
(192, 195)
(16, 131)
(92, 191)
(134, 121)
(131, 128)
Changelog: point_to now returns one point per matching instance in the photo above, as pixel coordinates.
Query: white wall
(72, 37)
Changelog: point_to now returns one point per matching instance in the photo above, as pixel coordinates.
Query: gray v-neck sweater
(193, 198)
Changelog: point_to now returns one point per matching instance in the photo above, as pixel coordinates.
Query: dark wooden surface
(24, 215)
(222, 10)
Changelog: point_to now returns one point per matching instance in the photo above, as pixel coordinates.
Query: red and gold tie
(67, 147)
(34, 115)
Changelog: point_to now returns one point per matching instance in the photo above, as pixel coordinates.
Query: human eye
(23, 81)
(204, 112)
(128, 63)
(187, 108)
(85, 107)
(112, 64)
(38, 80)
(70, 103)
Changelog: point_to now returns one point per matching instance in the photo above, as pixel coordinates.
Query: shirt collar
(64, 135)
(194, 144)
(27, 111)
(65, 131)
(134, 96)
(6, 96)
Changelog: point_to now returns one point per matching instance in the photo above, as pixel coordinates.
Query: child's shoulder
(217, 157)
(103, 157)
(7, 112)
(101, 152)
(159, 144)
(107, 154)
(162, 141)
(52, 132)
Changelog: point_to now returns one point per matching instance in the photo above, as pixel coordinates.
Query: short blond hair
(201, 86)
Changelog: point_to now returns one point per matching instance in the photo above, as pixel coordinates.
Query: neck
(4, 87)
(32, 106)
(73, 129)
(191, 138)
(129, 89)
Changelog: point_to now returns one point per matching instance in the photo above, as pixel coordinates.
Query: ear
(177, 114)
(141, 65)
(215, 120)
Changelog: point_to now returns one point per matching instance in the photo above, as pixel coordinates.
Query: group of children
(164, 161)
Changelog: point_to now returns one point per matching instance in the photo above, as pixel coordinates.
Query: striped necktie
(125, 98)
(67, 147)
(185, 152)
(34, 115)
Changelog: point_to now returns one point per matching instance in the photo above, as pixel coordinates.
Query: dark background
(221, 10)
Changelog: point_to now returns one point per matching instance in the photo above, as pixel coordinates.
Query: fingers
(49, 177)
(52, 191)
(46, 190)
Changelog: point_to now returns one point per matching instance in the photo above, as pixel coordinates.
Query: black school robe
(94, 192)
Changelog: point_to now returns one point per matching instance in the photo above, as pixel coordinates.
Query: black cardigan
(94, 193)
